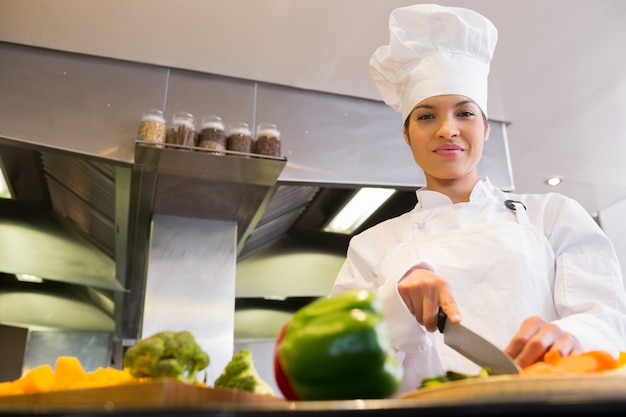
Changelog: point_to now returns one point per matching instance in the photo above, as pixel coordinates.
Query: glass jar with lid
(212, 134)
(239, 138)
(183, 130)
(152, 128)
(267, 139)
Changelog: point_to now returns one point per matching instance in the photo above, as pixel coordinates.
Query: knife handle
(441, 320)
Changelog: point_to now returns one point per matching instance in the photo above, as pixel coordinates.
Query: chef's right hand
(424, 292)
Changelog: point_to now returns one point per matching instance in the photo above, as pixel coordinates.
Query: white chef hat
(434, 50)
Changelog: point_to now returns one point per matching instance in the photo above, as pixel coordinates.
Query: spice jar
(212, 135)
(267, 139)
(183, 130)
(239, 138)
(152, 128)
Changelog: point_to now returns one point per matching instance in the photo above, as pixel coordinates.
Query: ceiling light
(29, 278)
(553, 181)
(5, 187)
(358, 209)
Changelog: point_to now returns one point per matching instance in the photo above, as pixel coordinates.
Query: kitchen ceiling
(558, 75)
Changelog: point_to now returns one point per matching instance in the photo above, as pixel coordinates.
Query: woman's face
(446, 135)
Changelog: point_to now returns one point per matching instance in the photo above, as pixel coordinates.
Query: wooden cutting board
(507, 388)
(137, 394)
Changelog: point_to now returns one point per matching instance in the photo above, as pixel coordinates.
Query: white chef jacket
(548, 257)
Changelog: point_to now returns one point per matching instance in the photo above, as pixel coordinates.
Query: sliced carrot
(111, 376)
(591, 361)
(552, 357)
(541, 369)
(605, 361)
(37, 379)
(583, 363)
(67, 372)
(578, 364)
(7, 388)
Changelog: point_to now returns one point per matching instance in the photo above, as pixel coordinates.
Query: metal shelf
(230, 167)
(193, 182)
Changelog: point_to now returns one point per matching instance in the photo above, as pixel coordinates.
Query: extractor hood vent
(286, 206)
(83, 191)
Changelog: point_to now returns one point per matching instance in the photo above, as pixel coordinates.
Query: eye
(466, 113)
(425, 116)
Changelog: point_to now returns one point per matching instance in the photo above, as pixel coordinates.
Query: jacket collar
(427, 199)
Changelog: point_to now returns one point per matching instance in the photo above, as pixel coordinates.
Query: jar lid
(267, 129)
(212, 121)
(239, 128)
(183, 117)
(154, 115)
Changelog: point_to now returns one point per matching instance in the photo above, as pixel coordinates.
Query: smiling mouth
(448, 150)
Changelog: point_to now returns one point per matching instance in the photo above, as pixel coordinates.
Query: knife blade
(475, 347)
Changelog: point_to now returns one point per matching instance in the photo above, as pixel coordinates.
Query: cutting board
(508, 388)
(151, 393)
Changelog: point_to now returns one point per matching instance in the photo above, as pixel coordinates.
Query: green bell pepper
(337, 348)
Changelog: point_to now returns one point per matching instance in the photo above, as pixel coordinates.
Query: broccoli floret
(166, 354)
(241, 374)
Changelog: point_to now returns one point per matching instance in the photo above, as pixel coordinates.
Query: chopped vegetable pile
(164, 355)
(553, 364)
(67, 374)
(174, 355)
(584, 363)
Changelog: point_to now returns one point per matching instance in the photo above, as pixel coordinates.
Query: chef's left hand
(535, 337)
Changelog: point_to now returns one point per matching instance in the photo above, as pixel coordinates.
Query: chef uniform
(506, 257)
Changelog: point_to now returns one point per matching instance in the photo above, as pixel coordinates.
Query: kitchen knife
(474, 347)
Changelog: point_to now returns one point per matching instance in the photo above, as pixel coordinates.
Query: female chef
(531, 273)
